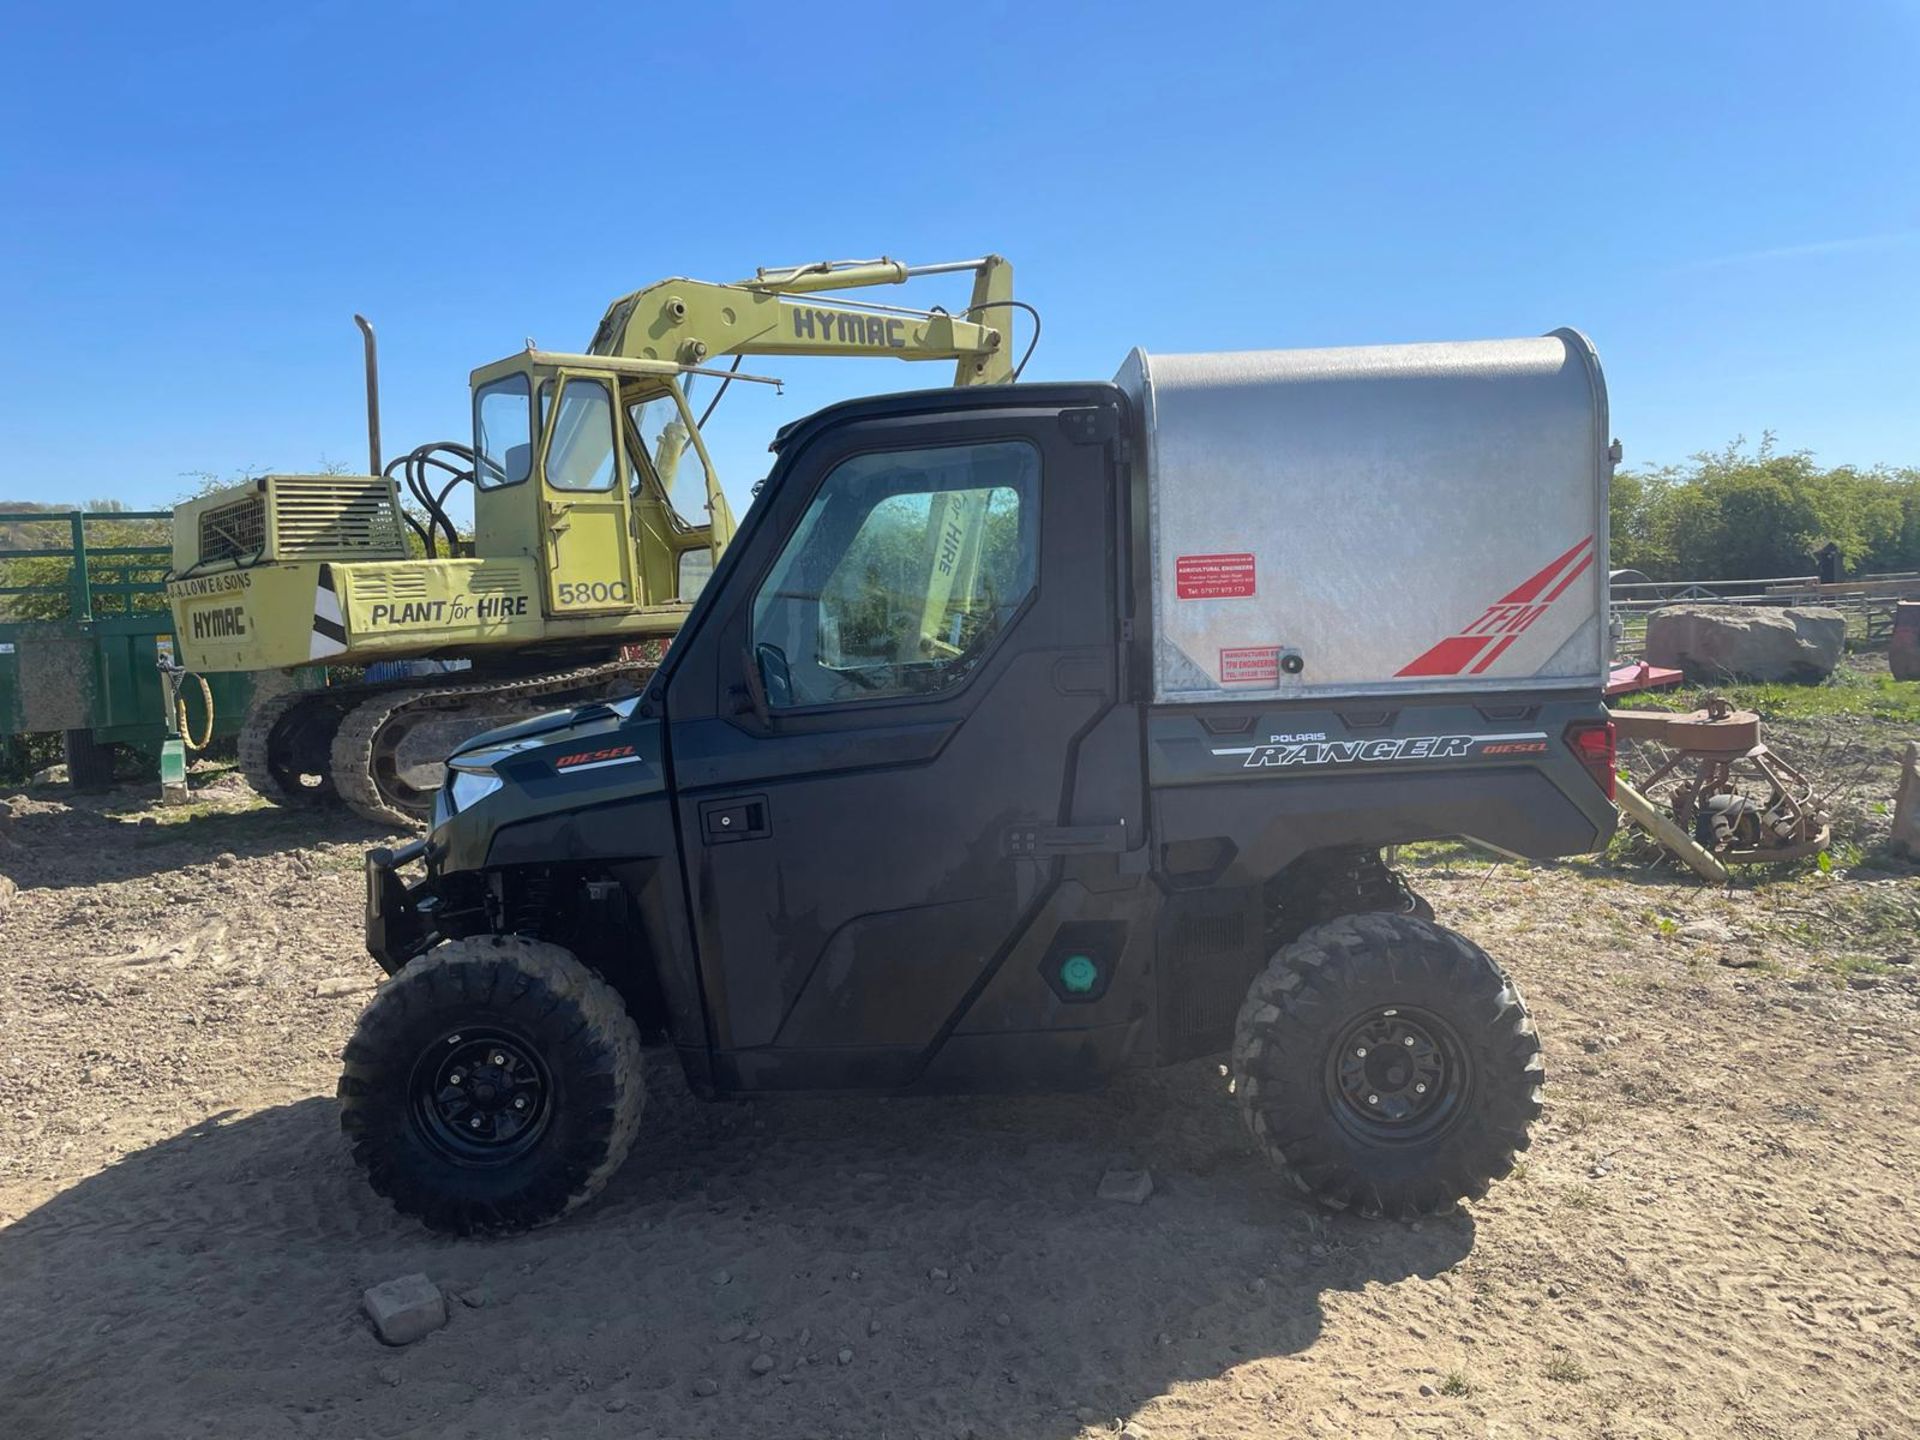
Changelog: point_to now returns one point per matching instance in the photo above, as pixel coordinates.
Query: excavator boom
(690, 322)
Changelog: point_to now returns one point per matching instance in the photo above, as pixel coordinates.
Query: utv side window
(899, 577)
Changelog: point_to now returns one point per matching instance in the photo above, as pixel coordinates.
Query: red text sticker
(1259, 664)
(1213, 577)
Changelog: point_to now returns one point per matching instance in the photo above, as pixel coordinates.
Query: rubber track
(606, 1029)
(353, 743)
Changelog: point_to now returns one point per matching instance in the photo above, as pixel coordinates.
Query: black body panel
(910, 845)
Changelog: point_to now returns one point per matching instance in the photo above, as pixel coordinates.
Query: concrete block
(405, 1310)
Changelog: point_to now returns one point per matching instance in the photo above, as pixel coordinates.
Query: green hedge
(1744, 514)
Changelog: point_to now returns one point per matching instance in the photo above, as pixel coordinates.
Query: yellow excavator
(576, 550)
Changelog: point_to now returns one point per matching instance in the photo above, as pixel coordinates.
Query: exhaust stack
(372, 349)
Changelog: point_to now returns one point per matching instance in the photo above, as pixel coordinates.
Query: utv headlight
(467, 787)
(471, 777)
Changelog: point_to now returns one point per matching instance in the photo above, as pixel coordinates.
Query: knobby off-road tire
(493, 1085)
(1387, 1065)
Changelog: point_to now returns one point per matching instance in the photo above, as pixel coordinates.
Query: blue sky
(194, 200)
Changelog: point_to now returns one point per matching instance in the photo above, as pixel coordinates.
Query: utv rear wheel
(494, 1084)
(1387, 1065)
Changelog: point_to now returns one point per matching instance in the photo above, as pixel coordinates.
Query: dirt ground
(1715, 1233)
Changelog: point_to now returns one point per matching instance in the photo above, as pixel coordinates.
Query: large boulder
(1714, 643)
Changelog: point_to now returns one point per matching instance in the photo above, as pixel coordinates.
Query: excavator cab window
(503, 432)
(580, 450)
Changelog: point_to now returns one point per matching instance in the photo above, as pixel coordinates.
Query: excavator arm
(690, 322)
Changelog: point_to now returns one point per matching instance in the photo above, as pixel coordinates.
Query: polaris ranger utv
(1024, 735)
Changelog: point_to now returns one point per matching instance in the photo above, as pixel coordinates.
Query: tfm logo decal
(1472, 650)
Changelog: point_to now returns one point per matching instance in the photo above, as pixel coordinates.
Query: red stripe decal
(1493, 654)
(1540, 582)
(1578, 571)
(1448, 657)
(1487, 638)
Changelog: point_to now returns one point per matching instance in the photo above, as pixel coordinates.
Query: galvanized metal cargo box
(1376, 520)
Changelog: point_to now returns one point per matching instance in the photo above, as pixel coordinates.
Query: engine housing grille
(234, 532)
(326, 517)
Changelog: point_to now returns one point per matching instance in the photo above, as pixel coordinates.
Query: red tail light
(1592, 744)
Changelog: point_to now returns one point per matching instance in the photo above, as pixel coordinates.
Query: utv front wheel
(1386, 1064)
(494, 1084)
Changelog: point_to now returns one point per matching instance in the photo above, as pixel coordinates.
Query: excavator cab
(565, 474)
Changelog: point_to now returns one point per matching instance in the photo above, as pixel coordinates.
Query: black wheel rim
(481, 1096)
(1398, 1075)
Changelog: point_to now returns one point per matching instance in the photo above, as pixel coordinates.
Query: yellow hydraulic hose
(186, 729)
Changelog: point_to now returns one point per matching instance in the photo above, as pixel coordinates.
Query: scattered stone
(1554, 1292)
(618, 1403)
(1257, 1285)
(1709, 932)
(706, 1385)
(387, 1372)
(1860, 981)
(730, 1332)
(1426, 1392)
(1003, 1319)
(1132, 1431)
(342, 985)
(477, 1297)
(751, 1336)
(722, 1277)
(873, 1326)
(845, 1356)
(761, 1363)
(806, 1337)
(226, 860)
(936, 1275)
(405, 1310)
(1127, 1187)
(99, 1074)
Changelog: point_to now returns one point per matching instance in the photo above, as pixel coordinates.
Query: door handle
(741, 817)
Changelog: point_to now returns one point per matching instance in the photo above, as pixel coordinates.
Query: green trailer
(84, 627)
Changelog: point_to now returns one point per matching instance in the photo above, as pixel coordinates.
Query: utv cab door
(877, 737)
(583, 497)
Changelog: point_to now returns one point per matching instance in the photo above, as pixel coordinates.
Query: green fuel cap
(1079, 974)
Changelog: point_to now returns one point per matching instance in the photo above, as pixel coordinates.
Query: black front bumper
(399, 915)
